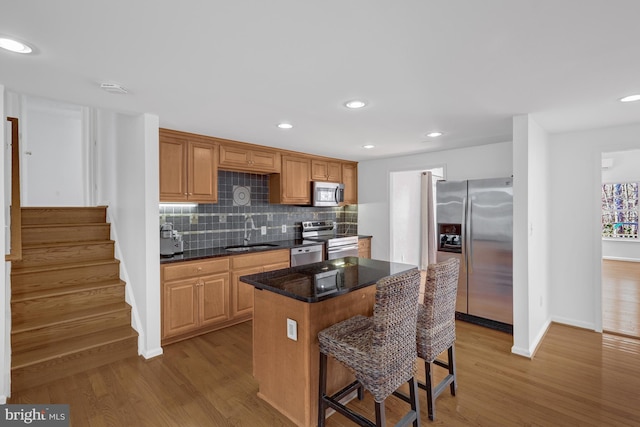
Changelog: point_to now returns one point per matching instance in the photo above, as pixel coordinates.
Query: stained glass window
(620, 210)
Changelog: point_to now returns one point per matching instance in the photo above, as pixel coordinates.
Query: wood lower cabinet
(202, 296)
(241, 158)
(350, 180)
(364, 247)
(195, 298)
(242, 265)
(325, 170)
(188, 168)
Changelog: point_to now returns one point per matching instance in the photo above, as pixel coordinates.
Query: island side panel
(286, 370)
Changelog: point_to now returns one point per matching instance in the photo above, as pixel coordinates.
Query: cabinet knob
(199, 268)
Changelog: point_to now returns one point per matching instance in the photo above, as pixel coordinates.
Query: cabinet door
(234, 157)
(322, 170)
(203, 173)
(173, 169)
(180, 307)
(296, 182)
(266, 161)
(214, 299)
(334, 172)
(350, 179)
(242, 300)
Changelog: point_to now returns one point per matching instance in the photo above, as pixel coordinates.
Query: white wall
(127, 180)
(531, 315)
(625, 168)
(574, 220)
(53, 161)
(488, 161)
(5, 293)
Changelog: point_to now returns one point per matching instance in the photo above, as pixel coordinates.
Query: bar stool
(379, 350)
(437, 327)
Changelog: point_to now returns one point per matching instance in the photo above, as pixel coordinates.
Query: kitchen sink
(245, 248)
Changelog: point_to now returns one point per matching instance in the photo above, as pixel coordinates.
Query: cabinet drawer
(195, 268)
(260, 259)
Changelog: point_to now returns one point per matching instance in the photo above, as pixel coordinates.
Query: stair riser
(30, 282)
(67, 303)
(72, 233)
(32, 216)
(48, 335)
(51, 370)
(64, 254)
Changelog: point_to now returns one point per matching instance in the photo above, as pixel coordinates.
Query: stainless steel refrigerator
(475, 224)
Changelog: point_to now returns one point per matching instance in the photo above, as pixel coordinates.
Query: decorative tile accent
(223, 223)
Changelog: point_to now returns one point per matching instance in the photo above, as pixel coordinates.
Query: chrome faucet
(248, 221)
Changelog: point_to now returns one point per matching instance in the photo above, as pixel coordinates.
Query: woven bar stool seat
(380, 350)
(437, 327)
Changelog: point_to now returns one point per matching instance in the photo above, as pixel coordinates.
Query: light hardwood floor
(621, 297)
(578, 377)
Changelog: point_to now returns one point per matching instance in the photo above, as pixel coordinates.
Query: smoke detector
(113, 88)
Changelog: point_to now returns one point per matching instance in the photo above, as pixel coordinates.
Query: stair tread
(70, 346)
(62, 266)
(66, 244)
(66, 225)
(68, 289)
(20, 326)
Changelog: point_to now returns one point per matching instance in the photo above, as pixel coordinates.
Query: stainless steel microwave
(327, 193)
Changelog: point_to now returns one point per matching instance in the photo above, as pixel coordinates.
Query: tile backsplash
(240, 195)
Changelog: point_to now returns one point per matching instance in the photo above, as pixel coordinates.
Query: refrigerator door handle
(464, 228)
(469, 208)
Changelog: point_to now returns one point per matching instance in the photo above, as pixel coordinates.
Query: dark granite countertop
(327, 279)
(220, 252)
(196, 254)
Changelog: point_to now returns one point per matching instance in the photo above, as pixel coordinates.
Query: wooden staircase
(67, 300)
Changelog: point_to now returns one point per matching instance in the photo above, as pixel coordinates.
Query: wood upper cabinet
(324, 170)
(350, 180)
(247, 159)
(242, 265)
(195, 296)
(293, 184)
(188, 169)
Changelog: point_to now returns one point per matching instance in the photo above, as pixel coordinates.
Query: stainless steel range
(336, 245)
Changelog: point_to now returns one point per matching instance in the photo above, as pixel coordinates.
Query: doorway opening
(620, 279)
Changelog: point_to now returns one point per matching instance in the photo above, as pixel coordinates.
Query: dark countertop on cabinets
(197, 254)
(327, 279)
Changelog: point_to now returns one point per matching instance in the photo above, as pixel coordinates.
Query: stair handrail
(15, 248)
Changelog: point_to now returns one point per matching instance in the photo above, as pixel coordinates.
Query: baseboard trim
(153, 353)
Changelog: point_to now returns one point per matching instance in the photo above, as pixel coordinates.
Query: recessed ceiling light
(355, 104)
(434, 134)
(630, 98)
(285, 125)
(368, 146)
(14, 45)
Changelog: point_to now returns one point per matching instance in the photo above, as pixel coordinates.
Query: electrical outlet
(292, 329)
(222, 218)
(284, 228)
(263, 230)
(269, 217)
(193, 219)
(163, 219)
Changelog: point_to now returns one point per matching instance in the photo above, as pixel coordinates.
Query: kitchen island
(290, 307)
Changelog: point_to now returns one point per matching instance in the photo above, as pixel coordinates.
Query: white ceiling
(234, 69)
